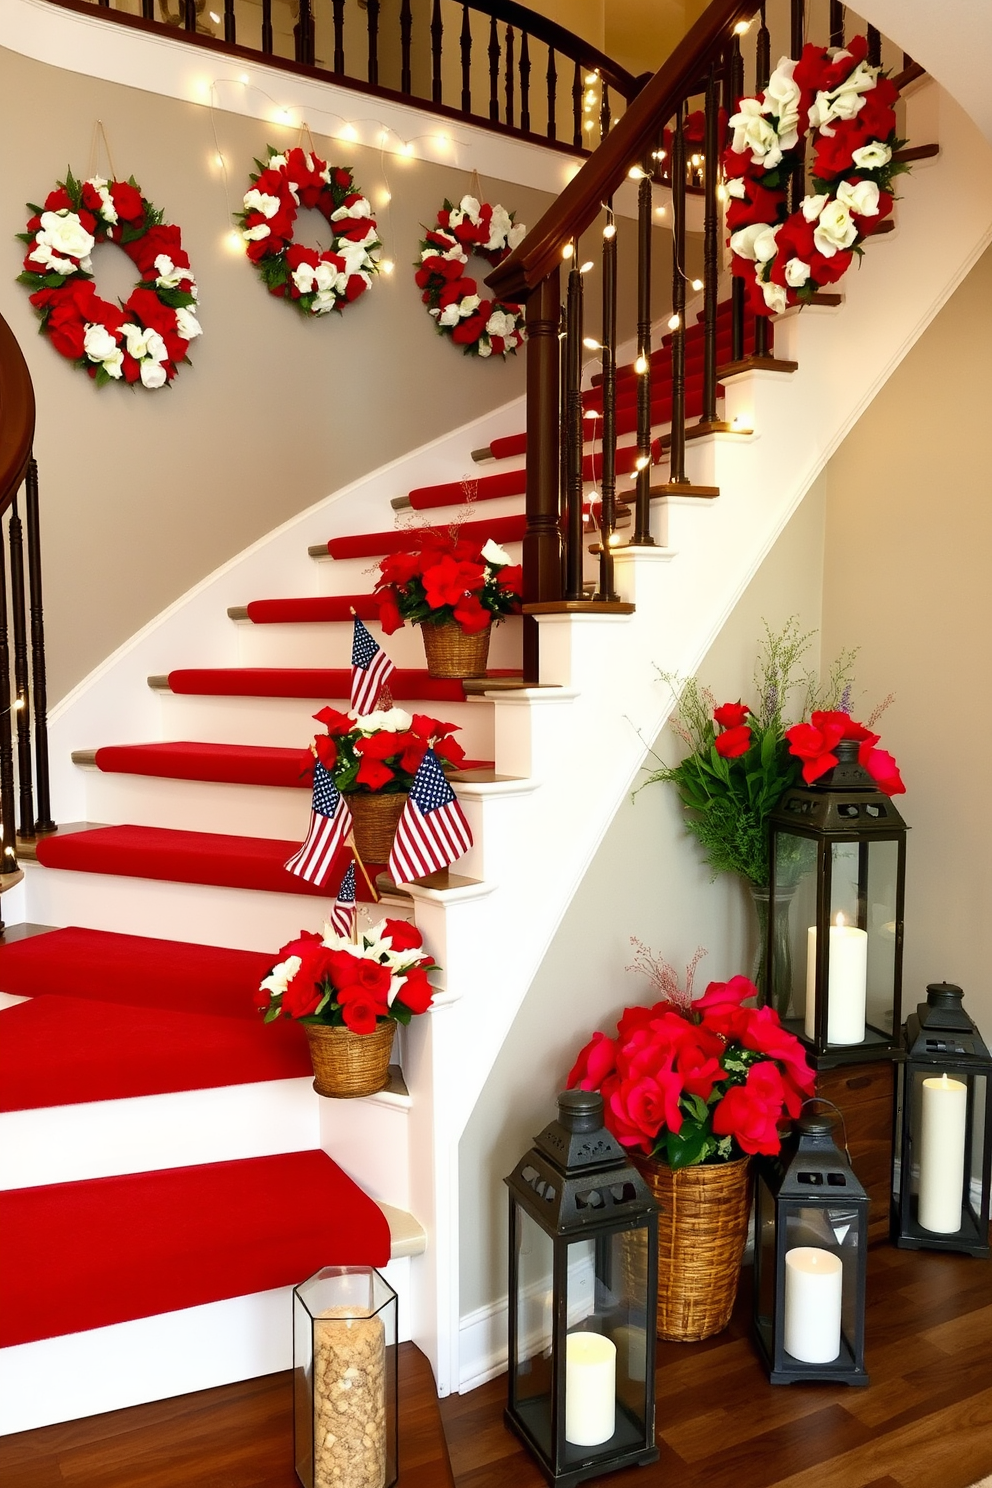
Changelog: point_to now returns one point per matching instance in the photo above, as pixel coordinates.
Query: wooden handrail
(580, 203)
(16, 416)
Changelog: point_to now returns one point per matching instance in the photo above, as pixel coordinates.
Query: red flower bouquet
(697, 1082)
(448, 580)
(326, 979)
(381, 751)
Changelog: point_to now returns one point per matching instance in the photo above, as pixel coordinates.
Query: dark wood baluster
(798, 28)
(509, 77)
(7, 813)
(338, 35)
(763, 63)
(466, 46)
(104, 3)
(836, 23)
(608, 508)
(39, 673)
(552, 77)
(874, 38)
(189, 15)
(524, 83)
(563, 385)
(372, 21)
(574, 435)
(304, 34)
(230, 22)
(406, 37)
(677, 474)
(642, 513)
(147, 10)
(22, 692)
(711, 165)
(542, 540)
(267, 46)
(437, 40)
(577, 105)
(604, 114)
(494, 54)
(733, 89)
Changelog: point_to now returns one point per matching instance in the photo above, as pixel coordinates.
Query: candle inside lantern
(814, 1282)
(847, 986)
(942, 1142)
(590, 1389)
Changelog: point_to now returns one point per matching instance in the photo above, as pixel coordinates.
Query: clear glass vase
(781, 949)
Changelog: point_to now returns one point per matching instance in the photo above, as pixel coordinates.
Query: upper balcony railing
(492, 62)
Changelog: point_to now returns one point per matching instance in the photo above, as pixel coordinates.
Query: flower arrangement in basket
(693, 1089)
(349, 998)
(456, 591)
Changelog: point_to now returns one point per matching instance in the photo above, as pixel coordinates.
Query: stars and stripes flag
(330, 823)
(432, 832)
(343, 908)
(371, 669)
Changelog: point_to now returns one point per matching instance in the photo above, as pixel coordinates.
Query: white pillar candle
(590, 1389)
(814, 1281)
(847, 985)
(942, 1142)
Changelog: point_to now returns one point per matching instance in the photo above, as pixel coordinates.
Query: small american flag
(330, 823)
(371, 669)
(343, 908)
(432, 832)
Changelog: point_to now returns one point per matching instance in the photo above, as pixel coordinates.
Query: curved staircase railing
(669, 138)
(23, 691)
(492, 62)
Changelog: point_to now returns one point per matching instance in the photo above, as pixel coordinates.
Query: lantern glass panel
(764, 1257)
(531, 1378)
(835, 1229)
(795, 887)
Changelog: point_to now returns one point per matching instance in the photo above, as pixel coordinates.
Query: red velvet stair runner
(373, 544)
(106, 1250)
(232, 764)
(406, 684)
(314, 608)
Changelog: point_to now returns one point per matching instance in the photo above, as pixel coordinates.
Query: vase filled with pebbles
(344, 1376)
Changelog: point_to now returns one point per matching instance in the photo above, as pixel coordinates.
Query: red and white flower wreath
(315, 280)
(480, 326)
(147, 337)
(847, 104)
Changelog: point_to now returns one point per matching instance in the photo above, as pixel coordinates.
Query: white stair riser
(154, 1358)
(369, 1140)
(287, 723)
(329, 644)
(198, 806)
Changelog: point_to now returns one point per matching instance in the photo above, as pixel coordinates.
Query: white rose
(152, 374)
(484, 349)
(844, 101)
(471, 208)
(753, 132)
(859, 197)
(276, 162)
(256, 234)
(169, 275)
(393, 721)
(187, 324)
(450, 315)
(835, 230)
(775, 297)
(455, 219)
(494, 554)
(468, 305)
(360, 208)
(66, 265)
(64, 232)
(764, 243)
(40, 253)
(114, 364)
(782, 100)
(260, 201)
(107, 209)
(134, 338)
(98, 344)
(323, 302)
(303, 277)
(796, 273)
(736, 188)
(812, 206)
(155, 347)
(516, 234)
(280, 976)
(742, 242)
(325, 275)
(871, 156)
(500, 324)
(499, 227)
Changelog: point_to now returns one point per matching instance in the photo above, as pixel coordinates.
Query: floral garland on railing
(480, 326)
(315, 281)
(848, 105)
(147, 337)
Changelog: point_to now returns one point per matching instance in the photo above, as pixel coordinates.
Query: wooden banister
(16, 416)
(566, 42)
(580, 202)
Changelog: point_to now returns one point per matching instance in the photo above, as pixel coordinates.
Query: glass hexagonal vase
(345, 1421)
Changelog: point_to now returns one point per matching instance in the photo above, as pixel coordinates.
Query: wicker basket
(702, 1230)
(347, 1064)
(453, 652)
(375, 817)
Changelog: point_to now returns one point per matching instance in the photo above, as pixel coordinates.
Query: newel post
(542, 539)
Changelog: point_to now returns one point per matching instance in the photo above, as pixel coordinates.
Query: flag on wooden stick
(343, 908)
(371, 669)
(432, 832)
(330, 823)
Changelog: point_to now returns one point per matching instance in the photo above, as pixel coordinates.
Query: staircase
(175, 774)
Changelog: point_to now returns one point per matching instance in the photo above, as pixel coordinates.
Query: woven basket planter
(375, 817)
(702, 1230)
(347, 1064)
(452, 652)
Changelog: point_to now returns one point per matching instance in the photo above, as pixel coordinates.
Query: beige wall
(907, 577)
(648, 880)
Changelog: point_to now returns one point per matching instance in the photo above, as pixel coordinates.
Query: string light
(697, 284)
(641, 365)
(348, 132)
(386, 266)
(742, 28)
(584, 268)
(657, 154)
(214, 17)
(589, 124)
(591, 345)
(591, 413)
(674, 322)
(636, 174)
(591, 77)
(233, 241)
(610, 230)
(567, 251)
(642, 462)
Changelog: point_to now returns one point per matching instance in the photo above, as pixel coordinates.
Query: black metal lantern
(945, 1151)
(583, 1299)
(838, 869)
(810, 1254)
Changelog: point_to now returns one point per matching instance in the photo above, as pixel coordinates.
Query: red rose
(402, 935)
(297, 254)
(400, 568)
(301, 946)
(334, 721)
(759, 205)
(355, 286)
(446, 581)
(731, 715)
(814, 745)
(736, 164)
(58, 200)
(834, 152)
(127, 200)
(765, 1035)
(413, 752)
(510, 578)
(882, 768)
(374, 774)
(389, 615)
(597, 1060)
(726, 994)
(67, 331)
(416, 993)
(342, 177)
(698, 1061)
(360, 1013)
(327, 751)
(643, 1106)
(302, 997)
(450, 750)
(750, 1113)
(868, 225)
(733, 742)
(471, 615)
(468, 331)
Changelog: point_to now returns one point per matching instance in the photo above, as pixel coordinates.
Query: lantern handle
(819, 1100)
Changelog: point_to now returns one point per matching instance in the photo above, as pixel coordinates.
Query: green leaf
(400, 1012)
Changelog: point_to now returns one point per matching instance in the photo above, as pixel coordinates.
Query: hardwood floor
(924, 1422)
